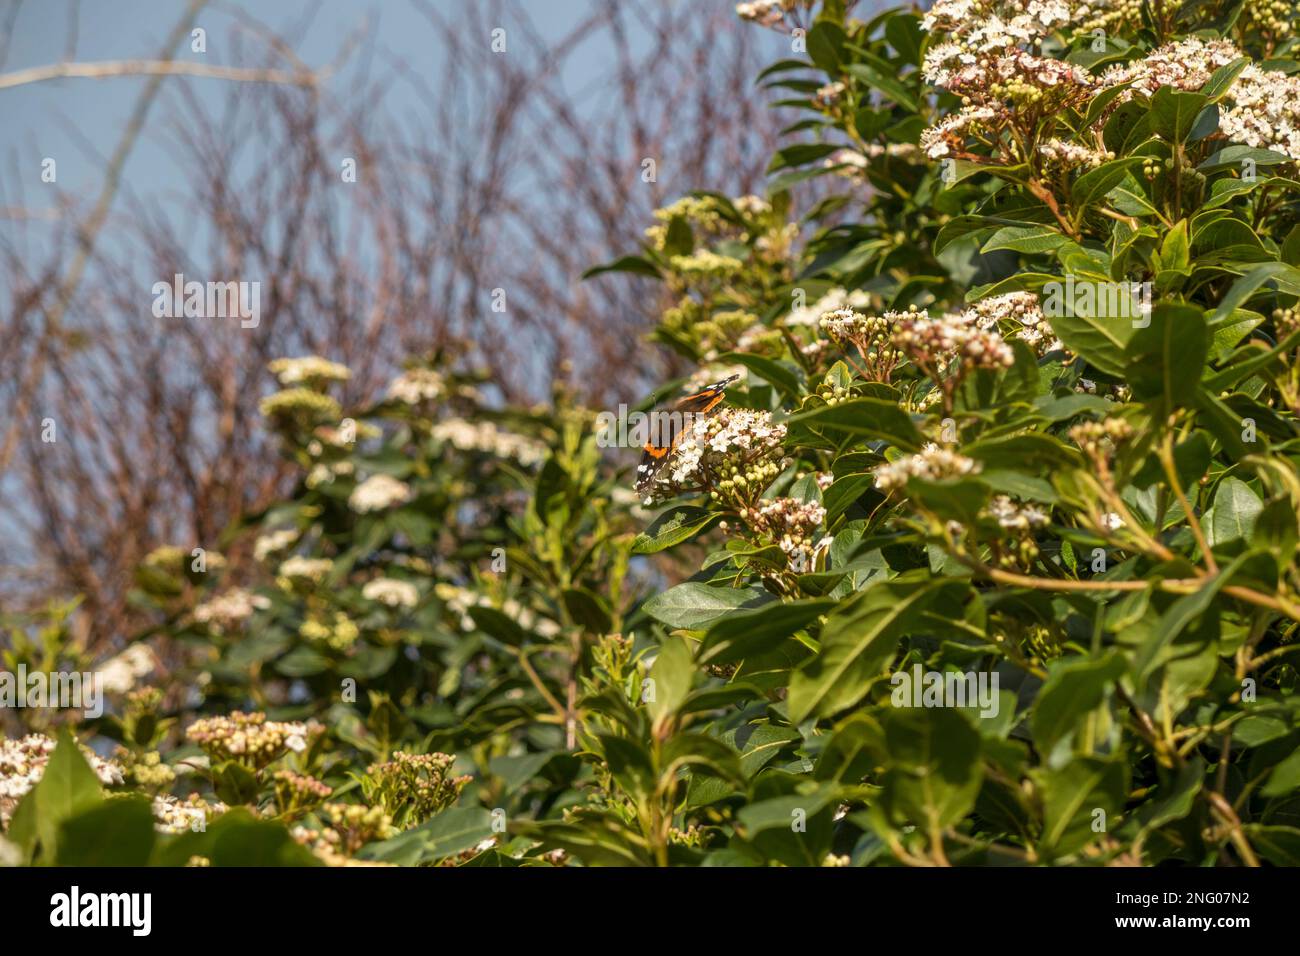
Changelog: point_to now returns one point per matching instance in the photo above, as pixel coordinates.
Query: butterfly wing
(654, 456)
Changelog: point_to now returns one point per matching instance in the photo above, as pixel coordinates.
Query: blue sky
(77, 121)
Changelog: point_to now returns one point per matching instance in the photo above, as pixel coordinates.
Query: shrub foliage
(987, 556)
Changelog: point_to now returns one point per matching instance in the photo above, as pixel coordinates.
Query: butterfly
(655, 455)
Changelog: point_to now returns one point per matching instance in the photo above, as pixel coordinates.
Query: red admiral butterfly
(699, 403)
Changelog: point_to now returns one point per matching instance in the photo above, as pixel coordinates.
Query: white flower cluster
(1019, 315)
(932, 463)
(1016, 517)
(249, 738)
(790, 523)
(988, 58)
(172, 816)
(705, 263)
(829, 94)
(230, 609)
(846, 325)
(391, 592)
(22, 764)
(1262, 108)
(377, 493)
(766, 13)
(304, 568)
(872, 336)
(735, 438)
(1184, 64)
(309, 369)
(460, 600)
(1265, 111)
(935, 344)
(832, 301)
(988, 26)
(752, 205)
(322, 473)
(486, 437)
(120, 673)
(946, 136)
(1073, 155)
(982, 32)
(273, 543)
(416, 385)
(851, 163)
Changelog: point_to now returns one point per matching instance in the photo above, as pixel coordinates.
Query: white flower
(1073, 155)
(172, 816)
(416, 385)
(311, 569)
(309, 368)
(1016, 517)
(767, 13)
(273, 543)
(1265, 111)
(832, 301)
(391, 592)
(22, 764)
(1185, 65)
(932, 463)
(119, 674)
(229, 609)
(949, 338)
(377, 493)
(486, 437)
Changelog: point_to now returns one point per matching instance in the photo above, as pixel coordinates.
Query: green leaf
(1026, 239)
(1280, 845)
(237, 838)
(1180, 615)
(1092, 186)
(498, 624)
(845, 490)
(1174, 799)
(1221, 80)
(634, 264)
(235, 784)
(118, 832)
(1073, 688)
(1284, 778)
(743, 633)
(800, 154)
(67, 788)
(784, 379)
(861, 637)
(1174, 113)
(1094, 320)
(759, 744)
(673, 527)
(1085, 792)
(452, 831)
(1287, 279)
(1166, 359)
(1231, 518)
(695, 606)
(587, 610)
(933, 769)
(673, 673)
(889, 85)
(873, 418)
(825, 46)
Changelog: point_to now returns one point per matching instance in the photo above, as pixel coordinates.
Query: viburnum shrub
(988, 555)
